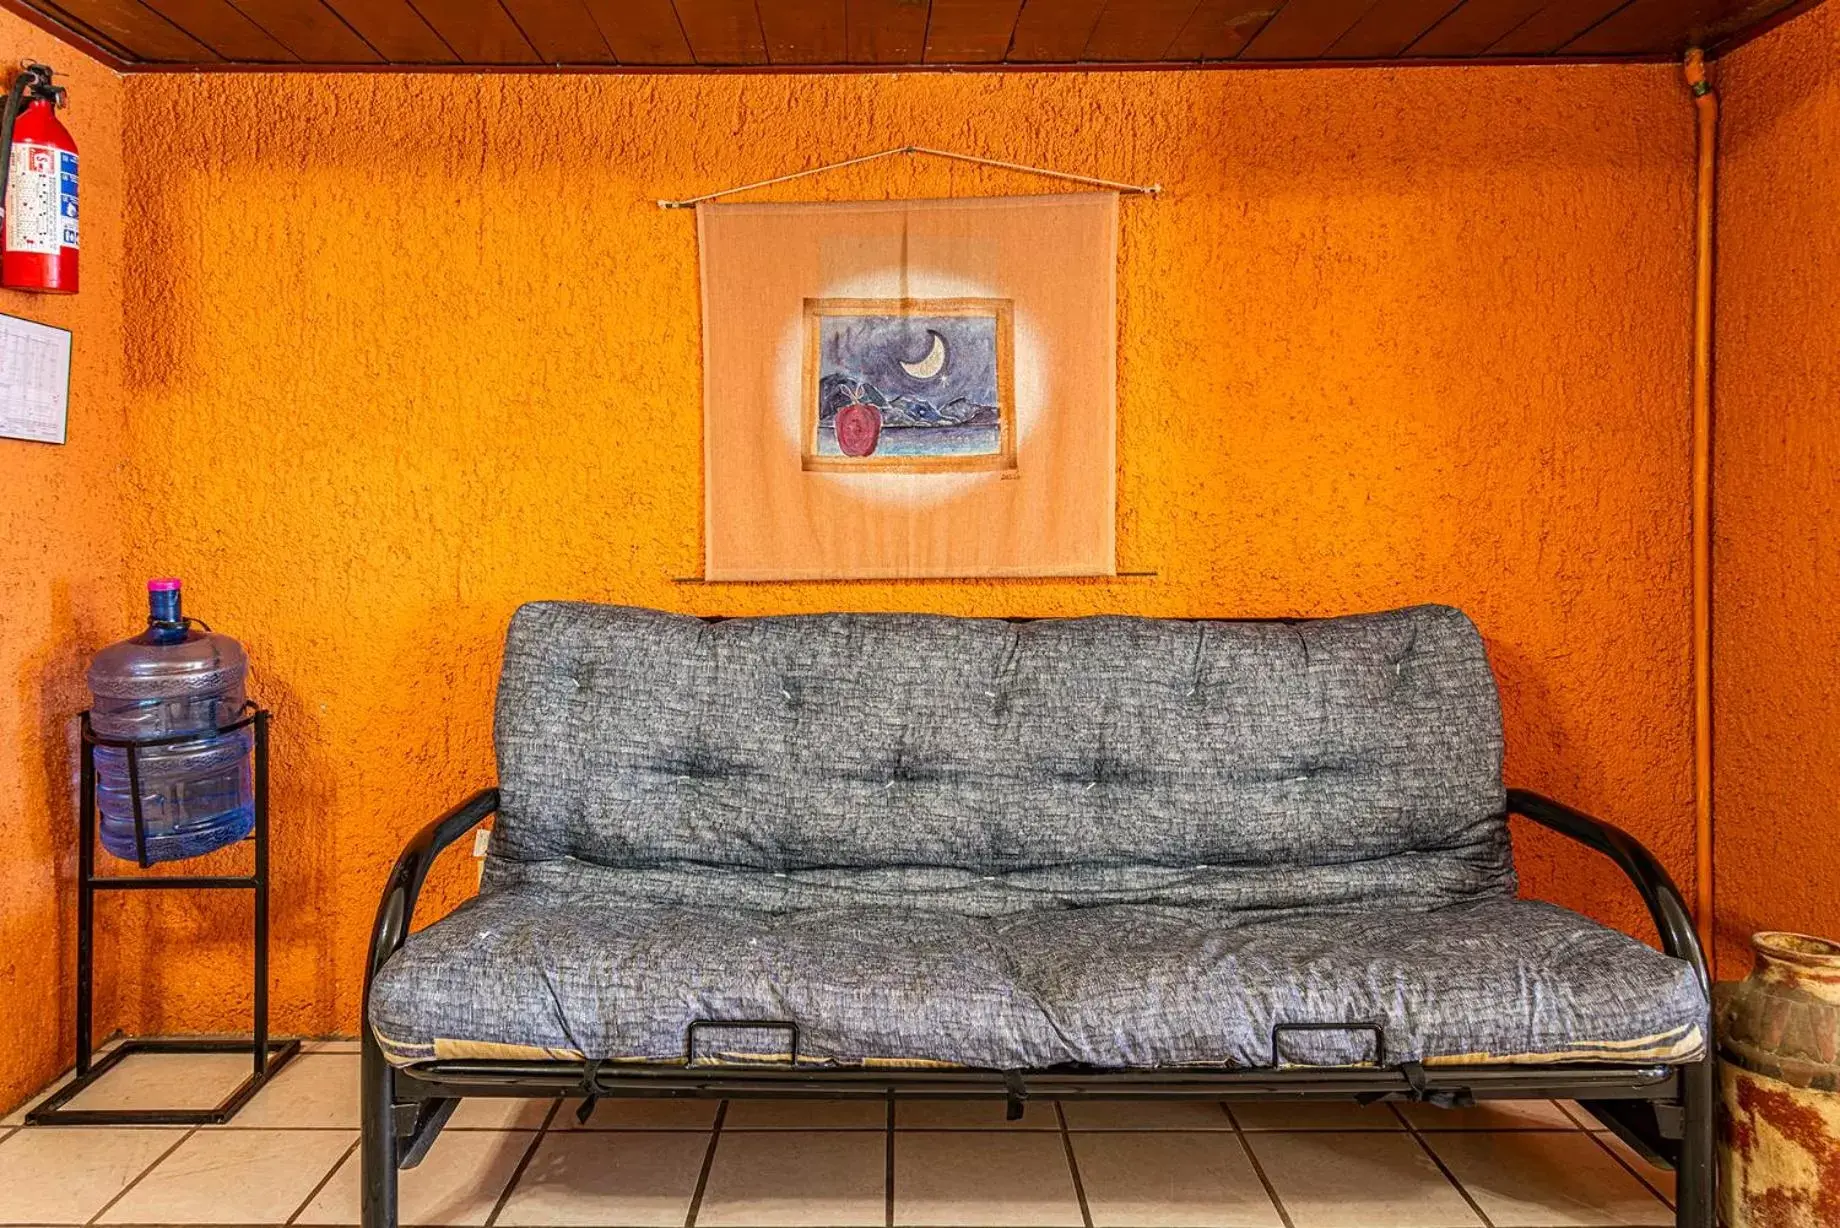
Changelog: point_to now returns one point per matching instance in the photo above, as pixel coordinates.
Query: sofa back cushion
(988, 766)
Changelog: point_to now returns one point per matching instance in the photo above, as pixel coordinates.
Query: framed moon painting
(900, 389)
(949, 409)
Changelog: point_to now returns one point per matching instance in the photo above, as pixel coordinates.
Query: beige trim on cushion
(1681, 1045)
(492, 1051)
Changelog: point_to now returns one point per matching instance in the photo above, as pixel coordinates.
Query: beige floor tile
(806, 1115)
(331, 1044)
(1136, 1179)
(1523, 1179)
(1314, 1115)
(1371, 1180)
(315, 1089)
(66, 1174)
(797, 1178)
(616, 1113)
(964, 1177)
(972, 1115)
(1145, 1115)
(166, 1081)
(18, 1116)
(640, 1178)
(233, 1177)
(1491, 1115)
(499, 1113)
(1660, 1180)
(457, 1182)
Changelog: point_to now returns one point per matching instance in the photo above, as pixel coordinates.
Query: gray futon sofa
(906, 855)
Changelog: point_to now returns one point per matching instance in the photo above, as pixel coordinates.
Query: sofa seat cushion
(531, 972)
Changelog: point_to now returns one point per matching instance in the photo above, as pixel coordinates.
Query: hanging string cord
(1137, 189)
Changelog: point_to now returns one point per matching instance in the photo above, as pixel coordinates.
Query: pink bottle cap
(163, 586)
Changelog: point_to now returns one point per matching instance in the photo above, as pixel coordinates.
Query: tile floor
(290, 1158)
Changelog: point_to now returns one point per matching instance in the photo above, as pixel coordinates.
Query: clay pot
(859, 429)
(1779, 1075)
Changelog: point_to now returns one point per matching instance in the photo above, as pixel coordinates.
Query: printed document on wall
(34, 380)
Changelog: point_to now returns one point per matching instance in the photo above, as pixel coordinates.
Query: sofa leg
(377, 1145)
(1696, 1177)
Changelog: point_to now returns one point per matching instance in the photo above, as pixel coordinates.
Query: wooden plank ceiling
(888, 33)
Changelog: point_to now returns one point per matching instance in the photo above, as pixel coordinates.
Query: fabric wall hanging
(910, 388)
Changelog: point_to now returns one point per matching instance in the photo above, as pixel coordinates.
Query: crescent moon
(934, 362)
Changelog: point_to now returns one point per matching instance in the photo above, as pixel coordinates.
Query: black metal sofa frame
(1666, 1113)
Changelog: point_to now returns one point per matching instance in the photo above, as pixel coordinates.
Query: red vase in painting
(859, 429)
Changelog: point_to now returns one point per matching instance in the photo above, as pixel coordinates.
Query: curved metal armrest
(405, 882)
(1672, 919)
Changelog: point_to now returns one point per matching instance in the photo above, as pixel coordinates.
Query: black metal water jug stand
(266, 1056)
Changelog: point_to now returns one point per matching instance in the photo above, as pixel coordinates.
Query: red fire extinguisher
(38, 196)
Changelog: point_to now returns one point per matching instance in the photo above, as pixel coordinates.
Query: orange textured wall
(404, 352)
(1777, 501)
(63, 589)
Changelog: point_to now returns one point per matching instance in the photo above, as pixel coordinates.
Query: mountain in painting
(899, 412)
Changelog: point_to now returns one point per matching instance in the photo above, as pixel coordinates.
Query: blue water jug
(174, 678)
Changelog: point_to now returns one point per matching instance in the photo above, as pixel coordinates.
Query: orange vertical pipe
(1707, 104)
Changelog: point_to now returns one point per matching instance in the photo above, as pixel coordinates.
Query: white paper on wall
(34, 380)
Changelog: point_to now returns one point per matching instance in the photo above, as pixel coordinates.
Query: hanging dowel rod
(1136, 189)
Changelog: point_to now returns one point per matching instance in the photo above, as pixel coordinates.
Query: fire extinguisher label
(67, 198)
(34, 221)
